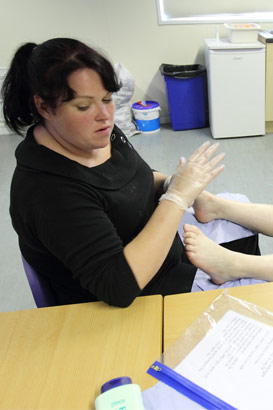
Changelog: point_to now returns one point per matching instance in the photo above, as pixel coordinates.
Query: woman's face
(84, 123)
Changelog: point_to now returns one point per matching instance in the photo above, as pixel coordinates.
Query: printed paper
(234, 361)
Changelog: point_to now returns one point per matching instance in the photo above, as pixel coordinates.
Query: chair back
(40, 287)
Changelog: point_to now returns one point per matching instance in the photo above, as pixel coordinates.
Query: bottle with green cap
(119, 394)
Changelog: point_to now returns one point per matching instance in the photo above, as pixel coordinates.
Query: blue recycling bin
(186, 94)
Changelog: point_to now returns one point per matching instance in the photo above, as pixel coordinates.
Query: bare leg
(257, 217)
(222, 264)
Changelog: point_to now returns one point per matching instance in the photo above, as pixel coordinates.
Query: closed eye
(85, 108)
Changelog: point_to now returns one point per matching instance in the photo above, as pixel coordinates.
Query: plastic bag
(224, 360)
(123, 111)
(182, 71)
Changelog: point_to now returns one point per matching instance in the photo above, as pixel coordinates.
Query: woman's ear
(42, 108)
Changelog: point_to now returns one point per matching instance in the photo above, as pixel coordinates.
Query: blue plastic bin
(186, 93)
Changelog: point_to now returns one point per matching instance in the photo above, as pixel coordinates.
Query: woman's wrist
(171, 196)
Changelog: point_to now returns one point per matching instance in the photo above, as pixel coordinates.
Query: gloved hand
(192, 176)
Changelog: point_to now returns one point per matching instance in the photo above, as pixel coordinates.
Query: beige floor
(249, 170)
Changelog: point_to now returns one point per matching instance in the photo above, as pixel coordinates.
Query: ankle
(238, 265)
(215, 205)
(218, 205)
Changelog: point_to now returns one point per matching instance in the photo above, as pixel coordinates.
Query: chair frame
(40, 287)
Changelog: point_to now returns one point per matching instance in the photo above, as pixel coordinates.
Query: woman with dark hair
(83, 202)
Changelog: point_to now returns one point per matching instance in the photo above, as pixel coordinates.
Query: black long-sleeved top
(73, 221)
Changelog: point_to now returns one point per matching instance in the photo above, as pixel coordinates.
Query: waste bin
(186, 93)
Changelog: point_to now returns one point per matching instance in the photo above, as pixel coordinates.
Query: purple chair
(40, 287)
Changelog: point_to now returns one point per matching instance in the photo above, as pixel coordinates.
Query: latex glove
(192, 176)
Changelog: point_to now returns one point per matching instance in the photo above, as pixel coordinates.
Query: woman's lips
(104, 131)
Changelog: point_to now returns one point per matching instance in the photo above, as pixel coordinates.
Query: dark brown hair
(43, 70)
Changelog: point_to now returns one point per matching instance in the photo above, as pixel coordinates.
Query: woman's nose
(102, 112)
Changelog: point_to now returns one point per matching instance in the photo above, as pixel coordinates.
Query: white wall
(127, 30)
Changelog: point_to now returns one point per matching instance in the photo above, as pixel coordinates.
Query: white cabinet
(236, 88)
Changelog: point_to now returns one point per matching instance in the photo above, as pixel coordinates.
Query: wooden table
(58, 357)
(183, 309)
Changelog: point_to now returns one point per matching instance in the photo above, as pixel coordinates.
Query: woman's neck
(89, 159)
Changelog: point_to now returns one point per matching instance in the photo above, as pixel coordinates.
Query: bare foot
(206, 207)
(216, 261)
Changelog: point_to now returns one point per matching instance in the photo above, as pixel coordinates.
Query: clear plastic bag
(224, 360)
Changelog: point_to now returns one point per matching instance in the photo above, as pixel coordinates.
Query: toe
(191, 228)
(189, 240)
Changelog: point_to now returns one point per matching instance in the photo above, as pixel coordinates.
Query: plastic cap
(119, 381)
(145, 105)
